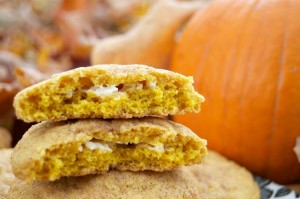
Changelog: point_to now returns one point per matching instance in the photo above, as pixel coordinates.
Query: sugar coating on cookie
(114, 184)
(7, 178)
(50, 150)
(108, 91)
(220, 178)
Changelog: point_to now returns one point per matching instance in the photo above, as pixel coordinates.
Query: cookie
(220, 178)
(109, 92)
(114, 184)
(7, 178)
(203, 181)
(5, 138)
(50, 150)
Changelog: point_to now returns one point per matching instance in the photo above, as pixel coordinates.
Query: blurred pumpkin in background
(244, 56)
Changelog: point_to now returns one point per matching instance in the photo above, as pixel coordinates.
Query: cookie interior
(105, 97)
(134, 151)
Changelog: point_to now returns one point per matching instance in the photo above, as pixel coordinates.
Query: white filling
(105, 147)
(132, 86)
(69, 94)
(157, 148)
(96, 145)
(152, 84)
(80, 148)
(102, 91)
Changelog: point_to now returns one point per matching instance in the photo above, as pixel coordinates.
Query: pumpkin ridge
(198, 74)
(282, 62)
(260, 122)
(240, 101)
(231, 68)
(279, 81)
(211, 42)
(247, 83)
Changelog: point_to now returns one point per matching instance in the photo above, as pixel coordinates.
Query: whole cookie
(50, 150)
(229, 181)
(220, 178)
(108, 91)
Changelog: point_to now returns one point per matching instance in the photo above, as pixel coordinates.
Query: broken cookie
(51, 150)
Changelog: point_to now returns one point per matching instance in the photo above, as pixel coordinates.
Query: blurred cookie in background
(5, 138)
(7, 177)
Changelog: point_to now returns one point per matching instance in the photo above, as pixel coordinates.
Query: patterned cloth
(271, 190)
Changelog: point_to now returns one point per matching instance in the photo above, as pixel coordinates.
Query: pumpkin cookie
(108, 91)
(216, 178)
(7, 177)
(5, 138)
(50, 150)
(220, 178)
(114, 184)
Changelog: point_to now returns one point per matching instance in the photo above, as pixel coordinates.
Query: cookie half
(50, 150)
(108, 91)
(215, 178)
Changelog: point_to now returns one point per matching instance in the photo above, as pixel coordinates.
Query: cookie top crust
(221, 178)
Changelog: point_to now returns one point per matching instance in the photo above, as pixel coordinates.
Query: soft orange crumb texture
(136, 148)
(108, 91)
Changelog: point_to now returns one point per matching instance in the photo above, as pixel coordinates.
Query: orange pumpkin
(245, 59)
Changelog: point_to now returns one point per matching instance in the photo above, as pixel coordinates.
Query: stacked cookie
(215, 178)
(98, 118)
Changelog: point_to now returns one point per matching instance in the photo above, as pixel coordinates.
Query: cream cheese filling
(152, 84)
(157, 148)
(102, 91)
(96, 145)
(108, 90)
(110, 146)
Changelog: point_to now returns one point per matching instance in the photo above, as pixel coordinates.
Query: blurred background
(243, 55)
(39, 38)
